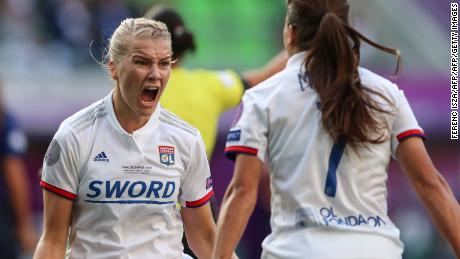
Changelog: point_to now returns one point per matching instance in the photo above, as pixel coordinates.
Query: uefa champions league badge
(166, 155)
(53, 153)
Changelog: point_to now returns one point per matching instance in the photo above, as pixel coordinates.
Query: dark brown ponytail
(332, 66)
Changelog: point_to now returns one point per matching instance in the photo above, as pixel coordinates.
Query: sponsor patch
(305, 217)
(166, 155)
(208, 182)
(234, 135)
(53, 153)
(129, 192)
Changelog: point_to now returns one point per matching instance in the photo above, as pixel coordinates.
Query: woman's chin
(147, 108)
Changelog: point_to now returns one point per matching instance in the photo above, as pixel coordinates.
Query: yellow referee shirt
(200, 97)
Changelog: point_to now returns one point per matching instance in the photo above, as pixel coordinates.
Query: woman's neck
(129, 124)
(127, 118)
(292, 51)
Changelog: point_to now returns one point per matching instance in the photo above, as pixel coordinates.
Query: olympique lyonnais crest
(166, 155)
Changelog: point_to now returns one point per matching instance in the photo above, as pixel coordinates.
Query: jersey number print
(334, 160)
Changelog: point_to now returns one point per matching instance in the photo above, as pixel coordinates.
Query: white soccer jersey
(125, 186)
(327, 201)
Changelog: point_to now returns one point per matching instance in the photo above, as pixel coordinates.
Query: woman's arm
(432, 189)
(275, 65)
(200, 229)
(16, 181)
(239, 202)
(56, 221)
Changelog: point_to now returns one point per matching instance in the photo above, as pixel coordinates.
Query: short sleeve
(61, 165)
(229, 86)
(405, 124)
(196, 187)
(249, 134)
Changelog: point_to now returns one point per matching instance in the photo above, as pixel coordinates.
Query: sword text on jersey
(131, 189)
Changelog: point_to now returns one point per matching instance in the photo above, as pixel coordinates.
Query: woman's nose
(154, 72)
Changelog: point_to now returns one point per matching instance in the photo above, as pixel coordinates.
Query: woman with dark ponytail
(328, 129)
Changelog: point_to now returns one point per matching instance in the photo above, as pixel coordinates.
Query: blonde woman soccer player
(329, 129)
(114, 171)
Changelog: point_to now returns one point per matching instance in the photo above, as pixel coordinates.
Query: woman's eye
(165, 63)
(140, 62)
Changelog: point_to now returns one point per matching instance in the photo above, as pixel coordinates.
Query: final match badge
(166, 155)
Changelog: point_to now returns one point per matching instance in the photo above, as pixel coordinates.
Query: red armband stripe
(232, 151)
(200, 202)
(411, 133)
(58, 191)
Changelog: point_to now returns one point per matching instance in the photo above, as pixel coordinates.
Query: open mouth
(149, 94)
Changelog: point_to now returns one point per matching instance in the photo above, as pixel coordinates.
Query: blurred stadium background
(47, 74)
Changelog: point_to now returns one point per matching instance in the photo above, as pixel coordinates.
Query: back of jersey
(328, 201)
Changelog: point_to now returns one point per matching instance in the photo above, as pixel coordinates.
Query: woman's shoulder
(271, 88)
(176, 124)
(376, 82)
(83, 118)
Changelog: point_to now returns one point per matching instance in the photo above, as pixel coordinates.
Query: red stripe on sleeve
(58, 191)
(200, 202)
(410, 133)
(241, 149)
(232, 151)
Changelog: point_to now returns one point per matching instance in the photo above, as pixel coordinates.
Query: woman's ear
(291, 35)
(113, 70)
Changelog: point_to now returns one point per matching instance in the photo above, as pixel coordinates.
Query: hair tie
(324, 14)
(178, 31)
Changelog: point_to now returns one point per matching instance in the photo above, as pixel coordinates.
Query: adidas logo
(101, 157)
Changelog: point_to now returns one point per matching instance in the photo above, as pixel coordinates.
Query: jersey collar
(296, 59)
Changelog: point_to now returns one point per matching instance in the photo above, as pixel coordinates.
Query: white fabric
(281, 120)
(126, 185)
